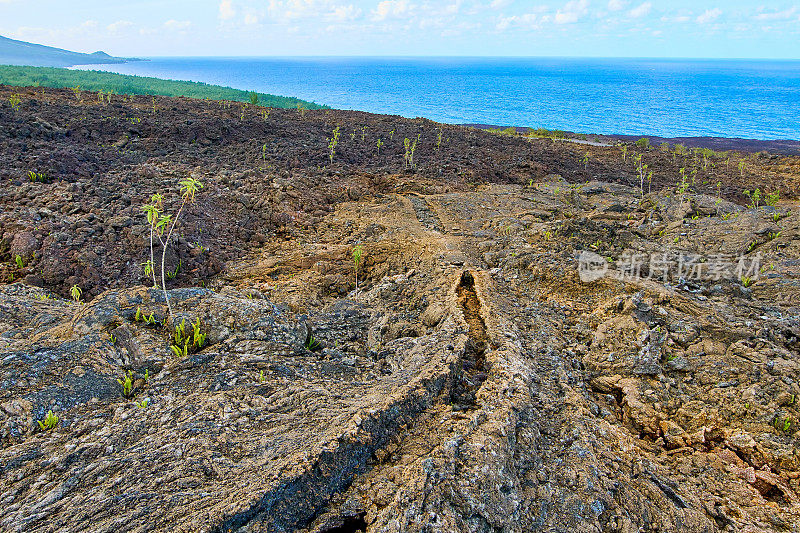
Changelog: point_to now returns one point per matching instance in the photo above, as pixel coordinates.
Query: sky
(587, 28)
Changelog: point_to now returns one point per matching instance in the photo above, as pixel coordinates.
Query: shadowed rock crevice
(349, 524)
(473, 367)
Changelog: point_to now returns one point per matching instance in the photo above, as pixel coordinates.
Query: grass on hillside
(90, 80)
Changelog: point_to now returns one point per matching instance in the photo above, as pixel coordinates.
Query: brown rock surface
(473, 382)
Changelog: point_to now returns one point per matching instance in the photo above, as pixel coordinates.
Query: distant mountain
(13, 52)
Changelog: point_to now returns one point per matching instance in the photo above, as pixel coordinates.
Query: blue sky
(615, 28)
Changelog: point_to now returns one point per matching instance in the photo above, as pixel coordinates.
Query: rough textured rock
(472, 382)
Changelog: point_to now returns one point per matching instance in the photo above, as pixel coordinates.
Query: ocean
(756, 99)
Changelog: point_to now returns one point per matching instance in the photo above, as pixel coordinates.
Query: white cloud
(497, 4)
(390, 9)
(676, 19)
(344, 13)
(453, 8)
(616, 5)
(572, 12)
(119, 26)
(295, 9)
(226, 10)
(177, 25)
(292, 10)
(54, 37)
(777, 15)
(641, 11)
(527, 21)
(251, 19)
(710, 15)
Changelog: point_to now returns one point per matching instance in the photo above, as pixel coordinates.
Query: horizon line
(411, 56)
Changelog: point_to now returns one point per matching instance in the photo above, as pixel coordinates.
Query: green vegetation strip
(90, 80)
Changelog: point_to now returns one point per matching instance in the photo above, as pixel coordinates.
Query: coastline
(719, 144)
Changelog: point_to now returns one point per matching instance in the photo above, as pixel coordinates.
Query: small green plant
(112, 339)
(173, 274)
(772, 235)
(585, 161)
(254, 98)
(707, 154)
(439, 140)
(391, 135)
(185, 343)
(312, 344)
(771, 199)
(14, 101)
(75, 292)
(747, 281)
(37, 177)
(411, 147)
(159, 223)
(302, 110)
(50, 421)
(358, 252)
(755, 198)
(143, 404)
(141, 317)
(380, 145)
(261, 377)
(741, 168)
(624, 152)
(784, 424)
(643, 143)
(20, 263)
(148, 269)
(642, 170)
(126, 382)
(333, 141)
(776, 217)
(679, 150)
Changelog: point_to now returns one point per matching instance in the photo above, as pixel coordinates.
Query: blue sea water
(755, 99)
